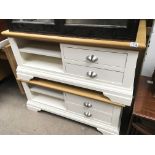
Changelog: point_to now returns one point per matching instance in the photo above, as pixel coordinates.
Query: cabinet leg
(36, 109)
(25, 77)
(129, 131)
(104, 132)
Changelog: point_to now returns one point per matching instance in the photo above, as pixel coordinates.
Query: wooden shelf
(50, 101)
(42, 62)
(41, 49)
(140, 39)
(48, 92)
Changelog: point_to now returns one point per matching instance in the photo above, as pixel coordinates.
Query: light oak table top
(138, 45)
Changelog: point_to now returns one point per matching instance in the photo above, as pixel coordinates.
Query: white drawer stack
(108, 72)
(100, 64)
(96, 110)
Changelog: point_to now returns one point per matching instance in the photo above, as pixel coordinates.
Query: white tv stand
(86, 80)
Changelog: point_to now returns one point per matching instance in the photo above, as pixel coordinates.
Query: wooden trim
(141, 34)
(141, 37)
(11, 59)
(71, 89)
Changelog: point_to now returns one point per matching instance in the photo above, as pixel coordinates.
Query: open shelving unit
(42, 62)
(41, 48)
(46, 91)
(40, 55)
(48, 100)
(49, 97)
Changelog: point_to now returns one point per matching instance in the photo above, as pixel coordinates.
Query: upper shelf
(41, 49)
(139, 44)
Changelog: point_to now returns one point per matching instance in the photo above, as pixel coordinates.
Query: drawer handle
(91, 74)
(92, 58)
(87, 114)
(87, 104)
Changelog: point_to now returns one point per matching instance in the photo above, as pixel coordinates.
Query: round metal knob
(87, 104)
(91, 74)
(87, 114)
(92, 58)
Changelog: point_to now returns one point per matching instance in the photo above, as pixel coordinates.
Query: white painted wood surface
(95, 115)
(48, 92)
(101, 74)
(42, 62)
(122, 61)
(149, 60)
(41, 49)
(105, 57)
(99, 106)
(49, 101)
(3, 43)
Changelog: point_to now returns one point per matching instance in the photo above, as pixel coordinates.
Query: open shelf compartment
(42, 62)
(46, 91)
(39, 48)
(48, 100)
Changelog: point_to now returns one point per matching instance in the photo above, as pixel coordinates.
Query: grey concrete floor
(16, 119)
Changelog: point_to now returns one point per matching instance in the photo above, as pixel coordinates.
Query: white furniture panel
(101, 56)
(149, 63)
(121, 62)
(42, 62)
(41, 48)
(90, 103)
(48, 100)
(49, 92)
(95, 73)
(89, 114)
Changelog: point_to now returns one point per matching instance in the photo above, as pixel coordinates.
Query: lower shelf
(49, 101)
(48, 92)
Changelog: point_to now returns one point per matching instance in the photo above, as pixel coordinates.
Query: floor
(16, 119)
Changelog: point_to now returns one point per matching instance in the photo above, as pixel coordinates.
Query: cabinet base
(33, 108)
(104, 128)
(104, 132)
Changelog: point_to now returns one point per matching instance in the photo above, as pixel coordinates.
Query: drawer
(92, 73)
(88, 103)
(104, 57)
(89, 113)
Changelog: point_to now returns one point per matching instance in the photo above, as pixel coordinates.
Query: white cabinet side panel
(15, 50)
(149, 60)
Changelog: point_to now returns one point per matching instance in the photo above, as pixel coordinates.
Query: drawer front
(89, 113)
(103, 57)
(95, 73)
(89, 103)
